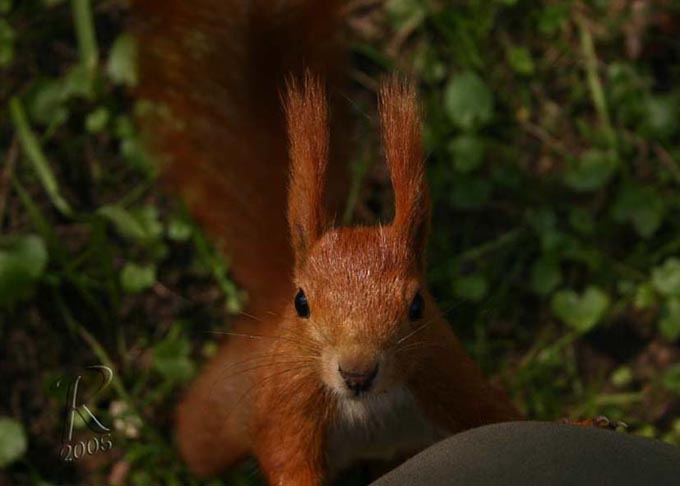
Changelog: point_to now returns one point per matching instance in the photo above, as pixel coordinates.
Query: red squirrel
(343, 354)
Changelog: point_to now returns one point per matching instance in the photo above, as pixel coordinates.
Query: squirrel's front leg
(299, 474)
(292, 453)
(290, 434)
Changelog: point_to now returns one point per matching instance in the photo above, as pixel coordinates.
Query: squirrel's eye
(415, 311)
(301, 304)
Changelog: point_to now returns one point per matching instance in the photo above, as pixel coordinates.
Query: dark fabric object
(540, 453)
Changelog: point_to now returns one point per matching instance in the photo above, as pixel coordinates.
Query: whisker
(309, 344)
(250, 316)
(416, 330)
(264, 361)
(418, 346)
(264, 381)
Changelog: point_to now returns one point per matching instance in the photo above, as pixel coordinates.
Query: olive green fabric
(539, 453)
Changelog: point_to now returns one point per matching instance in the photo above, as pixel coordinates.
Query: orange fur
(307, 121)
(275, 389)
(401, 131)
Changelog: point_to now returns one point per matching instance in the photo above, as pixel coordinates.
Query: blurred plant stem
(35, 154)
(504, 239)
(5, 181)
(595, 83)
(87, 40)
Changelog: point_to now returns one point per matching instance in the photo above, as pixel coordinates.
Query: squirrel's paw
(600, 422)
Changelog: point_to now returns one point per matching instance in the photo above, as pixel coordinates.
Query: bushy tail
(215, 71)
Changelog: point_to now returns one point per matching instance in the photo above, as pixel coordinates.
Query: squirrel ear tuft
(403, 145)
(308, 136)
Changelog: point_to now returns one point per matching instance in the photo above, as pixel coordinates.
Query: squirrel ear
(403, 145)
(307, 119)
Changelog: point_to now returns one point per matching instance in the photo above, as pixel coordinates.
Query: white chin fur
(368, 408)
(378, 426)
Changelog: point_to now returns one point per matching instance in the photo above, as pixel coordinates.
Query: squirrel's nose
(359, 380)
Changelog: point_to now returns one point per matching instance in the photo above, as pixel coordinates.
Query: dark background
(553, 135)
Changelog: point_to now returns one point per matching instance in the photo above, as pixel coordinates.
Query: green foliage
(171, 357)
(6, 43)
(122, 68)
(35, 154)
(672, 379)
(468, 101)
(559, 219)
(137, 278)
(467, 152)
(98, 264)
(642, 207)
(545, 275)
(554, 166)
(520, 60)
(13, 441)
(591, 171)
(22, 263)
(666, 277)
(471, 287)
(580, 312)
(670, 319)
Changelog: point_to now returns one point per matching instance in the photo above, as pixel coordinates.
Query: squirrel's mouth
(354, 394)
(358, 392)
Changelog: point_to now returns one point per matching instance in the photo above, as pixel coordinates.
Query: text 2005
(71, 452)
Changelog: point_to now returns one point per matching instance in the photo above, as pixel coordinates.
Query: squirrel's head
(361, 300)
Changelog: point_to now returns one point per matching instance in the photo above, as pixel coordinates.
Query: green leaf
(428, 66)
(83, 20)
(126, 224)
(139, 224)
(23, 260)
(6, 43)
(661, 116)
(580, 312)
(471, 287)
(669, 325)
(671, 379)
(171, 357)
(47, 105)
(131, 147)
(36, 156)
(150, 221)
(520, 60)
(137, 278)
(468, 101)
(467, 152)
(645, 297)
(13, 442)
(552, 17)
(403, 13)
(622, 376)
(122, 65)
(179, 230)
(666, 277)
(641, 206)
(97, 120)
(78, 83)
(545, 276)
(591, 171)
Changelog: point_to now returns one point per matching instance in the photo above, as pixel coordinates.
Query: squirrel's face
(360, 304)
